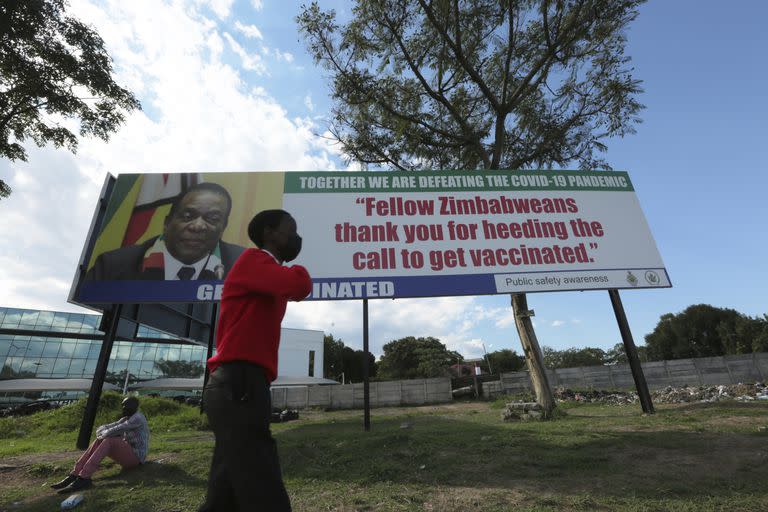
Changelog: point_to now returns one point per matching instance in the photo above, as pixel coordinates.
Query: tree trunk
(533, 356)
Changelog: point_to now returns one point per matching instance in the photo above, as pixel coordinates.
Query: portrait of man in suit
(190, 247)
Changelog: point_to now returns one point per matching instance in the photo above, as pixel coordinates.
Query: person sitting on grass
(125, 441)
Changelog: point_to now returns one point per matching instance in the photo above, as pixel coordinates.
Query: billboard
(377, 234)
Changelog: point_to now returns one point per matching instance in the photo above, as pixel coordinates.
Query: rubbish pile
(739, 392)
(522, 411)
(669, 395)
(281, 416)
(596, 396)
(27, 408)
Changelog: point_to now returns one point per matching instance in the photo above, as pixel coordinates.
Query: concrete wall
(350, 396)
(658, 374)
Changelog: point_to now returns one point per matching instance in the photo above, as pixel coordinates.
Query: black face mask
(291, 249)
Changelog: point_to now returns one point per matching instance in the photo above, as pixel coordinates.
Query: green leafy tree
(53, 68)
(552, 357)
(760, 339)
(180, 369)
(618, 354)
(505, 360)
(333, 356)
(354, 368)
(339, 359)
(745, 335)
(702, 330)
(478, 84)
(413, 358)
(573, 357)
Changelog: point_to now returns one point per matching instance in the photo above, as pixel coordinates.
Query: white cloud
(558, 323)
(45, 222)
(450, 319)
(250, 62)
(285, 56)
(505, 318)
(277, 54)
(249, 31)
(221, 8)
(199, 114)
(257, 4)
(308, 103)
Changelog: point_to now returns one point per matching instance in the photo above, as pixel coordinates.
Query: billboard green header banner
(454, 181)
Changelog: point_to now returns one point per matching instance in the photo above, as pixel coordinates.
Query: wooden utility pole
(533, 356)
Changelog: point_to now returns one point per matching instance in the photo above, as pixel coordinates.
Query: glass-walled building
(51, 356)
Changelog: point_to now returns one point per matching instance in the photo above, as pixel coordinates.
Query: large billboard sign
(377, 234)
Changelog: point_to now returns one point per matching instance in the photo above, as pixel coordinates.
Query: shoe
(79, 484)
(65, 482)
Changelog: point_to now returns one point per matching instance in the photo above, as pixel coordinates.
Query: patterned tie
(186, 273)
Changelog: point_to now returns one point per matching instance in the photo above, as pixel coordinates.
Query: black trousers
(245, 471)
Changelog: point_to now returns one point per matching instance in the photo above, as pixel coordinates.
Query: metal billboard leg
(631, 350)
(211, 340)
(94, 395)
(366, 383)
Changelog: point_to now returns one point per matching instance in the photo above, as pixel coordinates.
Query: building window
(311, 372)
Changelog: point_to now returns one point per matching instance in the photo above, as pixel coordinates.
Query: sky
(226, 85)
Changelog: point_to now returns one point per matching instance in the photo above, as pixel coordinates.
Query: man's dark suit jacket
(125, 264)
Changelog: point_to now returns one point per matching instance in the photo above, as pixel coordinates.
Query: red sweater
(253, 303)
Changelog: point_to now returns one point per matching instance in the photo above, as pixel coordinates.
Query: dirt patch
(21, 461)
(39, 470)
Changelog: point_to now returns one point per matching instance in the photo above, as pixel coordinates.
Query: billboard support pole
(533, 356)
(366, 383)
(631, 350)
(209, 354)
(94, 395)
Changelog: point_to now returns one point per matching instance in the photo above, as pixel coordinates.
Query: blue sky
(227, 85)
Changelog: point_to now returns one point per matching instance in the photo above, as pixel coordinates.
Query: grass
(455, 457)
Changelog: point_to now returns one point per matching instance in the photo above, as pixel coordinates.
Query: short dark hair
(210, 187)
(131, 402)
(264, 219)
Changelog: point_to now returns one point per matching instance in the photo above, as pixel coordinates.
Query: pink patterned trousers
(113, 447)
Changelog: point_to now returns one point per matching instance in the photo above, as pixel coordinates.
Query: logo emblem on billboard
(631, 278)
(652, 277)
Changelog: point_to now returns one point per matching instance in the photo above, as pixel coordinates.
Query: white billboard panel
(381, 234)
(471, 233)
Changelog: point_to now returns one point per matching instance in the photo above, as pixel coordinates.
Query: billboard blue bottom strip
(104, 292)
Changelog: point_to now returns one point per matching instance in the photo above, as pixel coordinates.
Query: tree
(339, 359)
(760, 334)
(181, 369)
(618, 354)
(413, 358)
(354, 368)
(505, 360)
(479, 84)
(333, 356)
(573, 357)
(53, 68)
(702, 330)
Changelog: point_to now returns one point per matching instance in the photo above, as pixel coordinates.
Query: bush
(161, 413)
